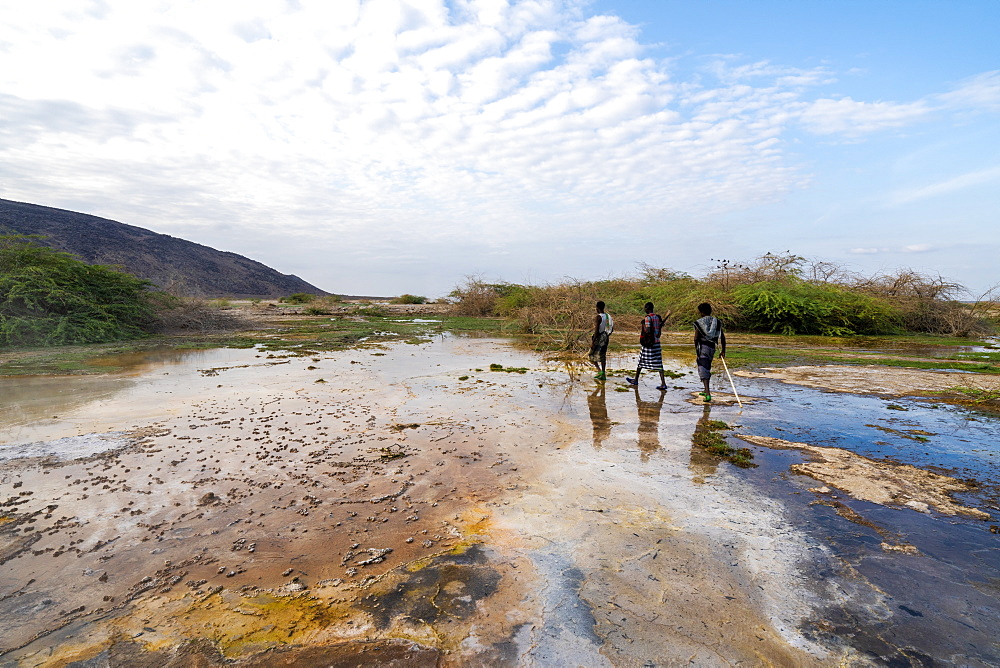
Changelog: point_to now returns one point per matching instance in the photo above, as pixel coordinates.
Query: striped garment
(651, 357)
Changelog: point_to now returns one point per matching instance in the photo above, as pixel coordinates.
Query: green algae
(708, 437)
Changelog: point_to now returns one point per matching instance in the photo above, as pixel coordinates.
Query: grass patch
(340, 333)
(740, 356)
(469, 324)
(978, 395)
(509, 369)
(372, 311)
(707, 436)
(992, 358)
(913, 364)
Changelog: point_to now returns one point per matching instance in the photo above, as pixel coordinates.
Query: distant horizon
(398, 146)
(637, 271)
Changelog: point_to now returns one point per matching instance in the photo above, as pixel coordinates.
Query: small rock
(208, 499)
(919, 506)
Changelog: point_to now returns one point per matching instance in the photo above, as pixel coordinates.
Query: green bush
(371, 311)
(49, 298)
(777, 292)
(322, 305)
(408, 299)
(298, 298)
(511, 298)
(478, 298)
(792, 306)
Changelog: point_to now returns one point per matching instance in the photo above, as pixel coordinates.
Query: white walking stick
(736, 394)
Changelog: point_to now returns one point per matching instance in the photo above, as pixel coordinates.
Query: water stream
(484, 517)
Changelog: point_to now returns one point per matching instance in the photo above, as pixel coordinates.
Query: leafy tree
(49, 298)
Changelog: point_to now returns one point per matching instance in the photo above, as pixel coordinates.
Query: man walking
(603, 326)
(651, 355)
(707, 333)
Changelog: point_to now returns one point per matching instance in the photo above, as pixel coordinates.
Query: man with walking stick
(707, 334)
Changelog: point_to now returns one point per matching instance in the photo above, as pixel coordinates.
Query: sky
(381, 147)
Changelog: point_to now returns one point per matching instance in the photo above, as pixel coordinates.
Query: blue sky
(393, 146)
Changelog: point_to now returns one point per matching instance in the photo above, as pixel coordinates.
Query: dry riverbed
(405, 506)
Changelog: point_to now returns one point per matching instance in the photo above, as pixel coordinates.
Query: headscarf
(710, 327)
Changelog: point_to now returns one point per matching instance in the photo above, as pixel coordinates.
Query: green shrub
(777, 292)
(798, 307)
(49, 298)
(322, 305)
(478, 298)
(372, 311)
(408, 299)
(298, 298)
(511, 298)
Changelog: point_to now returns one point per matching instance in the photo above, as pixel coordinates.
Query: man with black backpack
(707, 333)
(650, 355)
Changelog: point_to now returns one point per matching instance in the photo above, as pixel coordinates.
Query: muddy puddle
(409, 506)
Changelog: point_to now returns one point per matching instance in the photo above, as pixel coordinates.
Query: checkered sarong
(652, 357)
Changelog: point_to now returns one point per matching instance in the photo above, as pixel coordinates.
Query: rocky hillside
(183, 266)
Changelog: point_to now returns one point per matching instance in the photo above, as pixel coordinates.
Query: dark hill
(166, 261)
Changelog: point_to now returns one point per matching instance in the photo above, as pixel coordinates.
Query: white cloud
(911, 248)
(978, 93)
(944, 187)
(389, 107)
(419, 123)
(851, 117)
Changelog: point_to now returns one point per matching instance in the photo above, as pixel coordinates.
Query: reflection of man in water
(702, 463)
(596, 402)
(649, 424)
